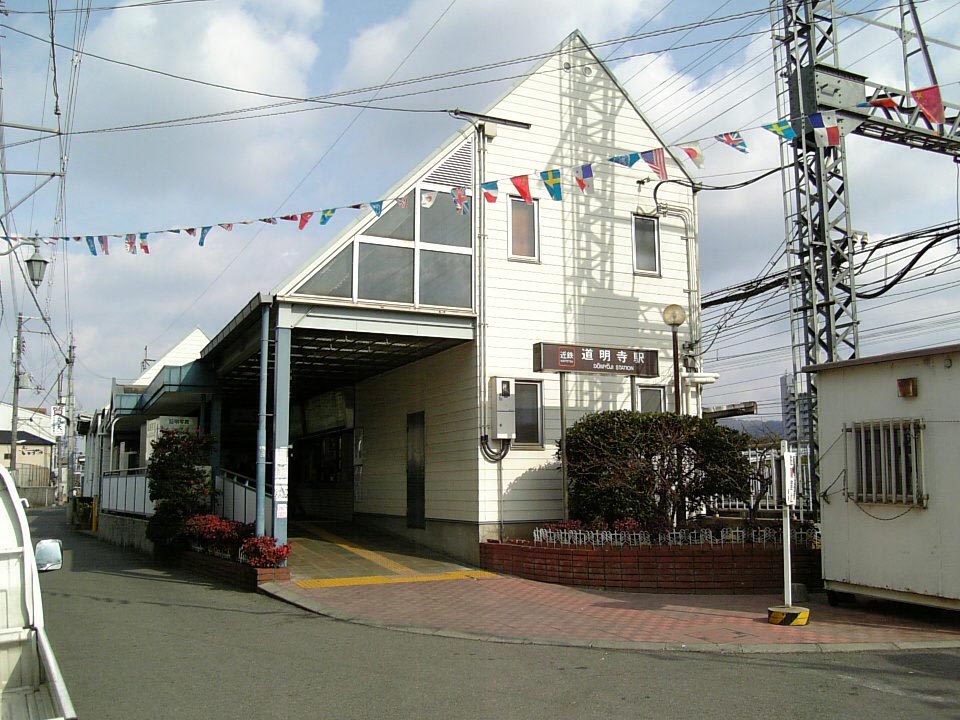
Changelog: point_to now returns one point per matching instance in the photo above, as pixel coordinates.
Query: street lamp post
(674, 315)
(36, 267)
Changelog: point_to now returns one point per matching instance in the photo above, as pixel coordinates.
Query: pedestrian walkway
(344, 573)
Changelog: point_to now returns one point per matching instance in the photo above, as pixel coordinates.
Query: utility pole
(71, 410)
(16, 396)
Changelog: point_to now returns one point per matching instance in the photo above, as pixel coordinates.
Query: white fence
(126, 491)
(769, 464)
(237, 499)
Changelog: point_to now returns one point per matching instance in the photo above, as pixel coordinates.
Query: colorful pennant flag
(131, 243)
(490, 190)
(304, 219)
(522, 184)
(377, 206)
(227, 226)
(930, 104)
(402, 202)
(584, 177)
(692, 150)
(629, 160)
(461, 201)
(269, 221)
(883, 101)
(143, 244)
(657, 162)
(326, 215)
(551, 179)
(734, 140)
(826, 132)
(192, 232)
(427, 198)
(91, 246)
(782, 129)
(104, 244)
(203, 233)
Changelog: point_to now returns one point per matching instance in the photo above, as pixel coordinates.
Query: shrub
(213, 533)
(651, 467)
(263, 552)
(179, 485)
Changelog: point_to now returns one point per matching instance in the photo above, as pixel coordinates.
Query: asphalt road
(137, 641)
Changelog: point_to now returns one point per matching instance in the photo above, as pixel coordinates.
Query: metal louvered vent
(457, 169)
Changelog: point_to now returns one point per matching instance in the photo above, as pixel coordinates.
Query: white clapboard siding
(583, 289)
(444, 388)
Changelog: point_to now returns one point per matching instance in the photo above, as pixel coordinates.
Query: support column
(216, 430)
(281, 430)
(262, 420)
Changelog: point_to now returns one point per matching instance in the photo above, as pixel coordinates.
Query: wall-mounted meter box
(503, 409)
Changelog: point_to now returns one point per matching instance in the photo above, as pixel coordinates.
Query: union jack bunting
(461, 201)
(734, 140)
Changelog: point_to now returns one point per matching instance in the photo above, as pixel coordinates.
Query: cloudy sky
(265, 54)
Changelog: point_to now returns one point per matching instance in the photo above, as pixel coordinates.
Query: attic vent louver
(457, 169)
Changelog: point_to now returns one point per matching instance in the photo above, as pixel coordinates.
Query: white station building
(411, 337)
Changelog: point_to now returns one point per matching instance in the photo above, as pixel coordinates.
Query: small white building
(386, 352)
(889, 432)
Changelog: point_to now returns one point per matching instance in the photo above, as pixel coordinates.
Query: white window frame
(535, 258)
(881, 475)
(663, 395)
(539, 444)
(633, 244)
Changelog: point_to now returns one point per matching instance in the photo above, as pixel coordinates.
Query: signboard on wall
(550, 357)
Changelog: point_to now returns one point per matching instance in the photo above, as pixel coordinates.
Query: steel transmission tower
(820, 237)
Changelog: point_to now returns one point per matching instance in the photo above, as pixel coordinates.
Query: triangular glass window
(397, 222)
(333, 279)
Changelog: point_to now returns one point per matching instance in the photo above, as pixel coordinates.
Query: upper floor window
(646, 245)
(523, 229)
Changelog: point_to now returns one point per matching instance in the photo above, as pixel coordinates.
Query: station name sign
(548, 357)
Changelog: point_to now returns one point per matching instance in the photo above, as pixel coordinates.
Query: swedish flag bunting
(326, 215)
(551, 179)
(783, 129)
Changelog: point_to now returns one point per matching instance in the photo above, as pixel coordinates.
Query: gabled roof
(185, 351)
(448, 147)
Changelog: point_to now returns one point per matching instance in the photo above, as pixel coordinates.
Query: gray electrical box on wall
(503, 409)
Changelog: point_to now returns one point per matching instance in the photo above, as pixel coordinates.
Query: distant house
(34, 457)
(403, 390)
(889, 432)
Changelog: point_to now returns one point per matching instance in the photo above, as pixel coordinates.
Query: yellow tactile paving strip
(374, 557)
(392, 579)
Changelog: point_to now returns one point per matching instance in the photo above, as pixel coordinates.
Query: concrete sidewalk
(396, 587)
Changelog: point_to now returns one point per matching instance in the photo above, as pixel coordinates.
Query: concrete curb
(290, 597)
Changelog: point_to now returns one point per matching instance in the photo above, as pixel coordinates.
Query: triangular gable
(452, 164)
(185, 351)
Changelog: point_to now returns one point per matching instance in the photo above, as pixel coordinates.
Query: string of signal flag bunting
(827, 131)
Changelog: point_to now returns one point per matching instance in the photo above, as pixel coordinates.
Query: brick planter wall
(234, 573)
(718, 569)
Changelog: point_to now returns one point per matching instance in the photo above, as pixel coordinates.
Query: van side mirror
(49, 555)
